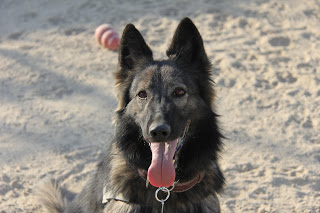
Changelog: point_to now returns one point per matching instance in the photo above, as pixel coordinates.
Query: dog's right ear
(133, 53)
(133, 49)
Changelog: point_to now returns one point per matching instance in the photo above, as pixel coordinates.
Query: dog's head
(160, 100)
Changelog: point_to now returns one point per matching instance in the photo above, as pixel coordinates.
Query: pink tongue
(161, 171)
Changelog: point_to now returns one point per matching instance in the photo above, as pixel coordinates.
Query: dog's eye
(142, 95)
(179, 92)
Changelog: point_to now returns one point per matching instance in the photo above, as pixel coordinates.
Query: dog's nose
(159, 133)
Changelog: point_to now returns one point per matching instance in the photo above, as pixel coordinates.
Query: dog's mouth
(164, 155)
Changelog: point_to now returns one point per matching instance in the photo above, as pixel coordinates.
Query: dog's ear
(187, 50)
(133, 53)
(187, 45)
(133, 49)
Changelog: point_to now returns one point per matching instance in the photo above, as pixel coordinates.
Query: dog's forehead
(160, 73)
(157, 76)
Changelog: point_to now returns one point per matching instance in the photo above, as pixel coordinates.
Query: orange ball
(107, 37)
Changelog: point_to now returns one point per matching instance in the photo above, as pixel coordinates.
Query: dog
(164, 155)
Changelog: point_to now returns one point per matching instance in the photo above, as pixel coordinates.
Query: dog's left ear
(187, 45)
(187, 50)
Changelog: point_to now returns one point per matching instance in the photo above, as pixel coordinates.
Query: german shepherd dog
(166, 134)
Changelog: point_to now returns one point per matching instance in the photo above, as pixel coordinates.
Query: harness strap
(108, 197)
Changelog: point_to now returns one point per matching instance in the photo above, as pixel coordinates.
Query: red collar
(179, 186)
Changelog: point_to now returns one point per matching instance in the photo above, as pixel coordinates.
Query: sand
(57, 95)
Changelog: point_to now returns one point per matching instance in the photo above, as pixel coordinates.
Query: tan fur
(48, 193)
(119, 169)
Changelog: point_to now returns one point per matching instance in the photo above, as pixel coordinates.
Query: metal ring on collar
(164, 189)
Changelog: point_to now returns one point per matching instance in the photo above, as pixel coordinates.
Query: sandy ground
(57, 95)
